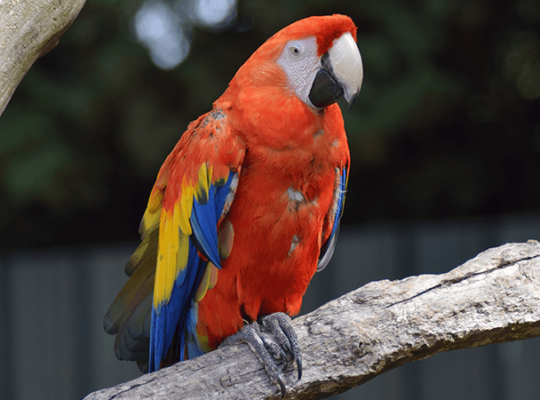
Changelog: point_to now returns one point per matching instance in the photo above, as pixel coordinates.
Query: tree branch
(493, 298)
(28, 30)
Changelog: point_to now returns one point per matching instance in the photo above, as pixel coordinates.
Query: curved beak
(341, 74)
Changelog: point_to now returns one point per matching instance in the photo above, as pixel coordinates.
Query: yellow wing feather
(186, 205)
(174, 234)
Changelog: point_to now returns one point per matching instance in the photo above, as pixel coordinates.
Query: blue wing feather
(179, 315)
(204, 219)
(204, 225)
(327, 250)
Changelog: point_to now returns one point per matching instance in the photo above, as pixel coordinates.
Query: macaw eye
(295, 50)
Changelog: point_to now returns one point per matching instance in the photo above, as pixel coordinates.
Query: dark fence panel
(52, 302)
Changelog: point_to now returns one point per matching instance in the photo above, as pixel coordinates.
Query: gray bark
(493, 298)
(29, 29)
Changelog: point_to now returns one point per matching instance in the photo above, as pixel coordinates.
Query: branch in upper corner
(493, 298)
(29, 29)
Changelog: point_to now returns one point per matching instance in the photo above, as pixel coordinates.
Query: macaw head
(317, 60)
(323, 64)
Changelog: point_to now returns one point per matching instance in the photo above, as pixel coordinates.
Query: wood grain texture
(29, 29)
(493, 298)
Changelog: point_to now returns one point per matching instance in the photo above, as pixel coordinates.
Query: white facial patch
(300, 62)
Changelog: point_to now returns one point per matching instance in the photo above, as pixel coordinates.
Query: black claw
(299, 366)
(289, 348)
(281, 385)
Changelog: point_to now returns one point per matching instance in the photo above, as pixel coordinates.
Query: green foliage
(447, 122)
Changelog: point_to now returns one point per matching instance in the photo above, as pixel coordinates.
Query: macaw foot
(274, 339)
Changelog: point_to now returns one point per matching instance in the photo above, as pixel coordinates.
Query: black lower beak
(325, 90)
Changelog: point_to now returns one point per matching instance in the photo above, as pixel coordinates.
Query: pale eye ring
(295, 50)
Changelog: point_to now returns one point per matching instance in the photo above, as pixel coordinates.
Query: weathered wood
(493, 298)
(29, 29)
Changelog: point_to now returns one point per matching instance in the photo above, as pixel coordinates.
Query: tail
(129, 316)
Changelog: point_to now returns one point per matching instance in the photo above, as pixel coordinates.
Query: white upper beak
(347, 65)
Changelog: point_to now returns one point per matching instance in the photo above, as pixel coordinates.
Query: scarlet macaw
(246, 208)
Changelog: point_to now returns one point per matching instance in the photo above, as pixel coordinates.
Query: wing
(155, 315)
(333, 218)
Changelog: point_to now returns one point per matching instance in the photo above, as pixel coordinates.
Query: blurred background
(445, 148)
